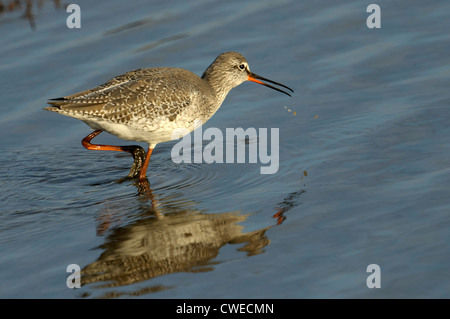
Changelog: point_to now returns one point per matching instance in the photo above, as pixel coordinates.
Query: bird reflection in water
(169, 236)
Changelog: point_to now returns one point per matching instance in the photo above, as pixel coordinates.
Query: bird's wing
(148, 93)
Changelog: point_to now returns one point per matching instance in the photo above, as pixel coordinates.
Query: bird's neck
(217, 84)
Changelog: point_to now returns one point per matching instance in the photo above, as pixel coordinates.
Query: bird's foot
(139, 158)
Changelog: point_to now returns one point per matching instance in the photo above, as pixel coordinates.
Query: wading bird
(147, 105)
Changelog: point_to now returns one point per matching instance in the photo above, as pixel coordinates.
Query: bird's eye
(242, 66)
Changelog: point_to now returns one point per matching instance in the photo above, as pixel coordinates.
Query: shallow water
(364, 162)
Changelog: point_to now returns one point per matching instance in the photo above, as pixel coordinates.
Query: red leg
(99, 147)
(145, 165)
(134, 150)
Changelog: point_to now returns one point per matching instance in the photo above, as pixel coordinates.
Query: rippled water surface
(364, 148)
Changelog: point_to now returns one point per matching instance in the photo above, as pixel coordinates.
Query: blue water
(364, 160)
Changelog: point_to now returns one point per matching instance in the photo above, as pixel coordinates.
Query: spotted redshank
(147, 105)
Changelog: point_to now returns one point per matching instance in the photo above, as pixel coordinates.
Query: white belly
(141, 132)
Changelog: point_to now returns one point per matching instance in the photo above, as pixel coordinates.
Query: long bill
(255, 78)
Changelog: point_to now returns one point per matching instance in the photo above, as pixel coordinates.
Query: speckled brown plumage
(147, 105)
(150, 100)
